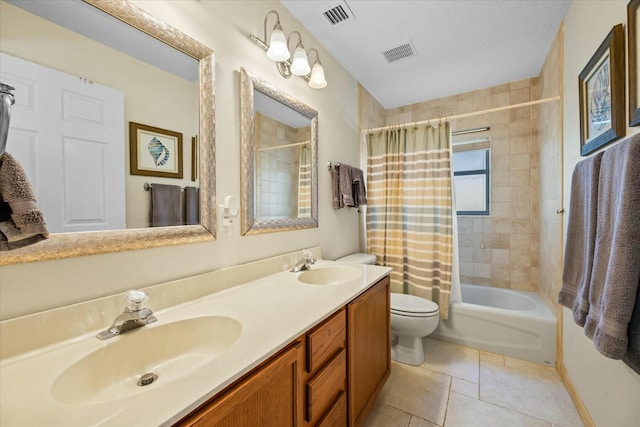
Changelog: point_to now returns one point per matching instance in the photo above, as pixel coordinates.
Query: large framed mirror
(199, 143)
(279, 166)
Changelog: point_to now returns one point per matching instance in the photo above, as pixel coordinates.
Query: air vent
(397, 53)
(338, 14)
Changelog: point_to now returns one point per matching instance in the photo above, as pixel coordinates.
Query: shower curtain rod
(463, 115)
(277, 147)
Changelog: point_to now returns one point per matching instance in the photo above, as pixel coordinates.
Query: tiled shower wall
(502, 249)
(276, 170)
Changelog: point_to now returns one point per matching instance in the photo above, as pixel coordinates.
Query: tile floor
(459, 386)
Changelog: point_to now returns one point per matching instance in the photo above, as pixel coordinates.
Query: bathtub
(513, 323)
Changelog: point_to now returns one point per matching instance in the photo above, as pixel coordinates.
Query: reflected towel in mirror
(165, 205)
(191, 206)
(21, 222)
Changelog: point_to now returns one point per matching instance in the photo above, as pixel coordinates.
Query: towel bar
(329, 165)
(147, 186)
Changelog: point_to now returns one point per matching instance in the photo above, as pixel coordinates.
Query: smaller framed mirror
(279, 163)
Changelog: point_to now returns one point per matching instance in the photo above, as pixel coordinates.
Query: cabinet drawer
(337, 413)
(325, 386)
(324, 341)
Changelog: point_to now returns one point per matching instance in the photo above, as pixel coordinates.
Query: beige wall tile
(500, 256)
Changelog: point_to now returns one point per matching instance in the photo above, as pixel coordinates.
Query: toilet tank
(358, 258)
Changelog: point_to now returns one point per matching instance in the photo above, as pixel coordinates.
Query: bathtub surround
(581, 238)
(502, 249)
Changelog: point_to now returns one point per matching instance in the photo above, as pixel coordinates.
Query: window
(471, 180)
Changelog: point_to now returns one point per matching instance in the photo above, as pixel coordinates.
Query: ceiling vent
(402, 51)
(339, 13)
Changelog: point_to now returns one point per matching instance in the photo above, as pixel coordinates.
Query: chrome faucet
(133, 317)
(305, 263)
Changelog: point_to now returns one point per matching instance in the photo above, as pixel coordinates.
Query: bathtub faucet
(133, 317)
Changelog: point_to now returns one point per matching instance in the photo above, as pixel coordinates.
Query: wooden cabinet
(325, 376)
(268, 397)
(329, 377)
(369, 329)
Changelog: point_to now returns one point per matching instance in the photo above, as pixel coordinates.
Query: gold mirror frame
(250, 225)
(67, 245)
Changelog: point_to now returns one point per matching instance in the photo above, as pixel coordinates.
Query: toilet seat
(412, 306)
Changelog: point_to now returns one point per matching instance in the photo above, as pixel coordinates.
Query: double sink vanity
(288, 349)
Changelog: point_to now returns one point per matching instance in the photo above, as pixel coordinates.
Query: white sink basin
(169, 351)
(333, 275)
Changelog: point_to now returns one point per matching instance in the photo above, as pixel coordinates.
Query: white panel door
(68, 135)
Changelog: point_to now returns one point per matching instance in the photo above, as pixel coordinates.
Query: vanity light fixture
(278, 50)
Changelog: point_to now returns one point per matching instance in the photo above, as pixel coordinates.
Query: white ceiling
(461, 45)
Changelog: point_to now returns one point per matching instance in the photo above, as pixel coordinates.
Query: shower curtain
(410, 209)
(304, 182)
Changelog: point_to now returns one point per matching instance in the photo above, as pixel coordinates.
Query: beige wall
(225, 27)
(608, 388)
(502, 249)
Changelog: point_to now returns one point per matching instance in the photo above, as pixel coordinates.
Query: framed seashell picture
(155, 151)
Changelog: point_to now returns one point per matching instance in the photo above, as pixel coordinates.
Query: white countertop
(273, 311)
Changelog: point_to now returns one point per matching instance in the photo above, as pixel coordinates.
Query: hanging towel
(357, 184)
(21, 222)
(581, 238)
(191, 206)
(165, 205)
(348, 187)
(632, 357)
(616, 259)
(335, 181)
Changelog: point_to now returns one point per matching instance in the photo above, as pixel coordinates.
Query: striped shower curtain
(410, 209)
(304, 182)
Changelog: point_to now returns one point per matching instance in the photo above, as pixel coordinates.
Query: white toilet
(412, 318)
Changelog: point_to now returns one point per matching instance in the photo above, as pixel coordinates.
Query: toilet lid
(358, 258)
(410, 304)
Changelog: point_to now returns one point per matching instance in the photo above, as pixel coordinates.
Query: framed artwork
(633, 20)
(155, 151)
(602, 92)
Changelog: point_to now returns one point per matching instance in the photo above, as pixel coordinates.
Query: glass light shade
(278, 50)
(300, 65)
(317, 80)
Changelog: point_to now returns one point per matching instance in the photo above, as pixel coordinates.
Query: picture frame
(633, 22)
(155, 151)
(602, 94)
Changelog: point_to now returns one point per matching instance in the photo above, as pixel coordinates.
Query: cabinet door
(368, 319)
(268, 397)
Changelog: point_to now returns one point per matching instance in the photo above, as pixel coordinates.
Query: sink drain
(147, 379)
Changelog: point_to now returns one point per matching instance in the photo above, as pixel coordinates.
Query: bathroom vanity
(307, 384)
(288, 349)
